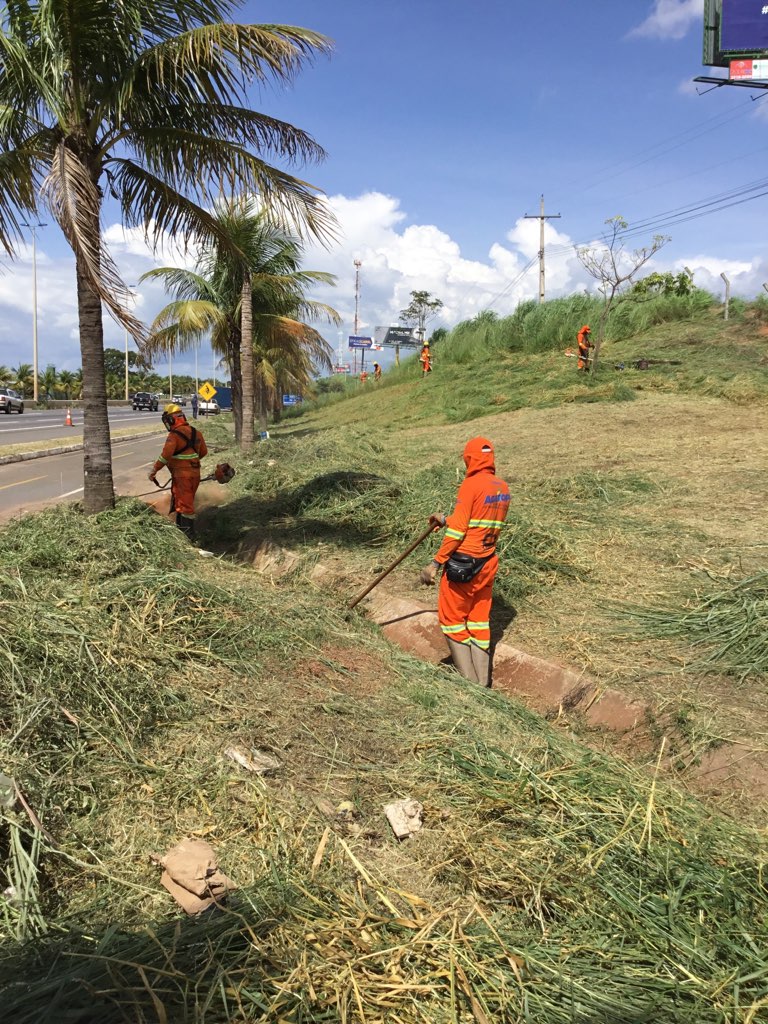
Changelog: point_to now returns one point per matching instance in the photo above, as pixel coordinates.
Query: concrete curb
(65, 449)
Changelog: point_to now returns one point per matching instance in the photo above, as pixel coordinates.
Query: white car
(10, 400)
(208, 408)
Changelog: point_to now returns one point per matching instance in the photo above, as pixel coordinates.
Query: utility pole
(33, 226)
(358, 264)
(541, 217)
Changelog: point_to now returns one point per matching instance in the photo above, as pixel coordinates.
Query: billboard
(397, 335)
(358, 341)
(743, 26)
(734, 28)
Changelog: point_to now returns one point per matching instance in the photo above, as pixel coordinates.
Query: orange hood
(479, 456)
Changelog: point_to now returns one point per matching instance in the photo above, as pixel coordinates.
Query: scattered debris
(405, 817)
(193, 877)
(256, 761)
(7, 792)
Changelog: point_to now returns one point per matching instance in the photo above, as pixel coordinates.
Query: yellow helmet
(170, 412)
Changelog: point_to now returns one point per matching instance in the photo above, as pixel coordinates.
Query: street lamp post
(33, 226)
(133, 295)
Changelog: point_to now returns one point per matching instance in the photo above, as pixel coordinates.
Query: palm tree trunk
(246, 360)
(98, 492)
(262, 403)
(237, 389)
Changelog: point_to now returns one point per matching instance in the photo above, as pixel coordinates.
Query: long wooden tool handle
(419, 540)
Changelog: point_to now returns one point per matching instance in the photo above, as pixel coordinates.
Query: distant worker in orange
(181, 454)
(363, 376)
(585, 345)
(376, 372)
(425, 359)
(469, 562)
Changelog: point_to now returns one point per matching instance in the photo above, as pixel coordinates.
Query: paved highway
(27, 485)
(44, 424)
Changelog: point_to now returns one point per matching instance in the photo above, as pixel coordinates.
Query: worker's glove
(153, 476)
(437, 519)
(428, 573)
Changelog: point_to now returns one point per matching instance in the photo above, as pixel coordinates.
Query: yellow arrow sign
(207, 391)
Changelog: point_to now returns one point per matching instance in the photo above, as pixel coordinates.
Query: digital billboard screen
(744, 26)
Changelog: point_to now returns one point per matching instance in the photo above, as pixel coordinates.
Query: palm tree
(48, 381)
(67, 381)
(5, 374)
(23, 379)
(212, 300)
(145, 100)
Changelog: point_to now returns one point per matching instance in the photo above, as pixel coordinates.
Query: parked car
(10, 400)
(143, 400)
(208, 408)
(179, 400)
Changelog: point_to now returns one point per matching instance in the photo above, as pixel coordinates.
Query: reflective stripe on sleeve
(455, 534)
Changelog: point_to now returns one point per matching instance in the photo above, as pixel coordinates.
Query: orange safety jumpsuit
(473, 529)
(376, 372)
(426, 360)
(364, 377)
(182, 451)
(585, 345)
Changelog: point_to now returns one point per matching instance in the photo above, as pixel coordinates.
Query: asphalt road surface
(27, 485)
(44, 424)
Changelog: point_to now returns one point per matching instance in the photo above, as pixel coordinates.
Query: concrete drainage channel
(728, 770)
(553, 691)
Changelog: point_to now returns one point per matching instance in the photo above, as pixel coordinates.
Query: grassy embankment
(654, 503)
(550, 883)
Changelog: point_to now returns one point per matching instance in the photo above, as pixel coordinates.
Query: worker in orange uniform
(426, 360)
(585, 345)
(469, 562)
(376, 372)
(182, 451)
(363, 376)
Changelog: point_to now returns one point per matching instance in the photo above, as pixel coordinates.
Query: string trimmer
(222, 475)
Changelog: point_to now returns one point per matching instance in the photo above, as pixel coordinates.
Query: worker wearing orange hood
(469, 561)
(585, 344)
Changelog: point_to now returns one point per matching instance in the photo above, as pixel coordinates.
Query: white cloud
(670, 19)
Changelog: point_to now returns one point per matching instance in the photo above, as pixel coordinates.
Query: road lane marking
(29, 480)
(123, 456)
(70, 493)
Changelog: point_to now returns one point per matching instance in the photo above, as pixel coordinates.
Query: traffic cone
(68, 421)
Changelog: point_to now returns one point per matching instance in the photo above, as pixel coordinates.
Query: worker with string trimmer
(181, 454)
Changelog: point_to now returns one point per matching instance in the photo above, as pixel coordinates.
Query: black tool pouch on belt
(463, 568)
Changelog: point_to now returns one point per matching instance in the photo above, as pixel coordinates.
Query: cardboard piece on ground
(405, 817)
(193, 877)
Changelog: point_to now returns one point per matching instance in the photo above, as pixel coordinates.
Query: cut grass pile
(550, 884)
(726, 626)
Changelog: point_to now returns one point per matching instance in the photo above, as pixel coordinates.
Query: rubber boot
(461, 656)
(186, 525)
(481, 661)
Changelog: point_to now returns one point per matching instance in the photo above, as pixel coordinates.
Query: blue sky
(444, 121)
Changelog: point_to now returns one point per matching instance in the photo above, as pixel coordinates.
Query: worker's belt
(463, 568)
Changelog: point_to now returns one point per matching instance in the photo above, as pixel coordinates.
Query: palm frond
(75, 202)
(185, 283)
(182, 324)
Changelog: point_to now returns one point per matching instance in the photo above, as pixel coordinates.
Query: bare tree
(613, 267)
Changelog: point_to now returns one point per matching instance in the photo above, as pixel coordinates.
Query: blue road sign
(356, 341)
(291, 399)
